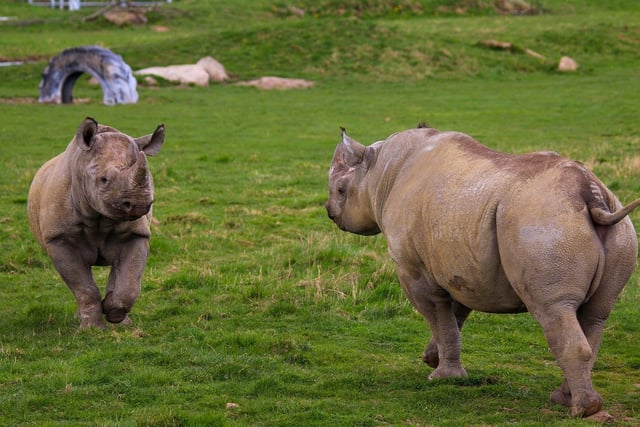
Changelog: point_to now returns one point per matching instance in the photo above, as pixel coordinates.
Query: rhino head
(111, 176)
(349, 203)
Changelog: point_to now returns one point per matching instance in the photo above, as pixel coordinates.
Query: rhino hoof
(117, 315)
(586, 404)
(115, 76)
(430, 355)
(560, 397)
(448, 372)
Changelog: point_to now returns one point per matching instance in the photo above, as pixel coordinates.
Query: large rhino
(470, 228)
(91, 205)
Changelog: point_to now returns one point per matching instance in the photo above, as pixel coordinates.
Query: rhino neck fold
(395, 156)
(381, 180)
(77, 193)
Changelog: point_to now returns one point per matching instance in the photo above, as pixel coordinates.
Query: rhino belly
(490, 296)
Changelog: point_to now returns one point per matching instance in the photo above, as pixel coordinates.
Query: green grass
(251, 295)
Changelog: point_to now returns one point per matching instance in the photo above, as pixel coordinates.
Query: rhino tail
(605, 217)
(599, 210)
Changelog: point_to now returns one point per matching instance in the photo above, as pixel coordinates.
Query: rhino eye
(104, 180)
(341, 191)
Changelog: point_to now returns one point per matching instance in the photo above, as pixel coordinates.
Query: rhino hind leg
(437, 309)
(575, 356)
(79, 279)
(430, 355)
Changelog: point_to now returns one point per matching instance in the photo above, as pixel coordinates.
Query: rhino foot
(117, 315)
(582, 405)
(91, 317)
(430, 355)
(560, 397)
(585, 404)
(448, 372)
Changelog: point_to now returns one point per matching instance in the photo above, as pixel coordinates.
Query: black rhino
(470, 228)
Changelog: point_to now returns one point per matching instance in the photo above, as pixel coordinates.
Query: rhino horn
(353, 151)
(142, 171)
(152, 143)
(86, 132)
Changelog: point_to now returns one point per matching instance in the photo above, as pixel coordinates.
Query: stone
(567, 64)
(121, 17)
(184, 74)
(216, 70)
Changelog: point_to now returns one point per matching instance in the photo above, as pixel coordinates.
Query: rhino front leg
(125, 280)
(436, 306)
(76, 273)
(430, 355)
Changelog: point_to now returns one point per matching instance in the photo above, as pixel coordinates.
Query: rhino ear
(86, 132)
(353, 153)
(151, 144)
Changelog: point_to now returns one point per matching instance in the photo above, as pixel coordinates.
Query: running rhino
(470, 228)
(91, 205)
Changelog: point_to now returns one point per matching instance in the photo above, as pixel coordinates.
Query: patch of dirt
(279, 83)
(28, 59)
(25, 100)
(602, 417)
(18, 100)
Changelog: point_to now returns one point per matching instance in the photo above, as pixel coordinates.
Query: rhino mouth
(129, 211)
(335, 219)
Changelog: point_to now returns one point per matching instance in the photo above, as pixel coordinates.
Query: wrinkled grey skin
(470, 228)
(91, 205)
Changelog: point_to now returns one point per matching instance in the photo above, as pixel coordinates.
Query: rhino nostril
(126, 206)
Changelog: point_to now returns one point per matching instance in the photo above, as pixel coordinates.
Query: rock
(121, 17)
(215, 69)
(150, 81)
(567, 64)
(296, 11)
(184, 74)
(516, 7)
(280, 83)
(496, 44)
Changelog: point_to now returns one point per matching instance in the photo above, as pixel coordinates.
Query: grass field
(255, 308)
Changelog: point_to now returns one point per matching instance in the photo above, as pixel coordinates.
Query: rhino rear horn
(152, 143)
(354, 151)
(86, 132)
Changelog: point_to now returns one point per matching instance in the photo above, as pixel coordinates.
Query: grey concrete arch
(115, 76)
